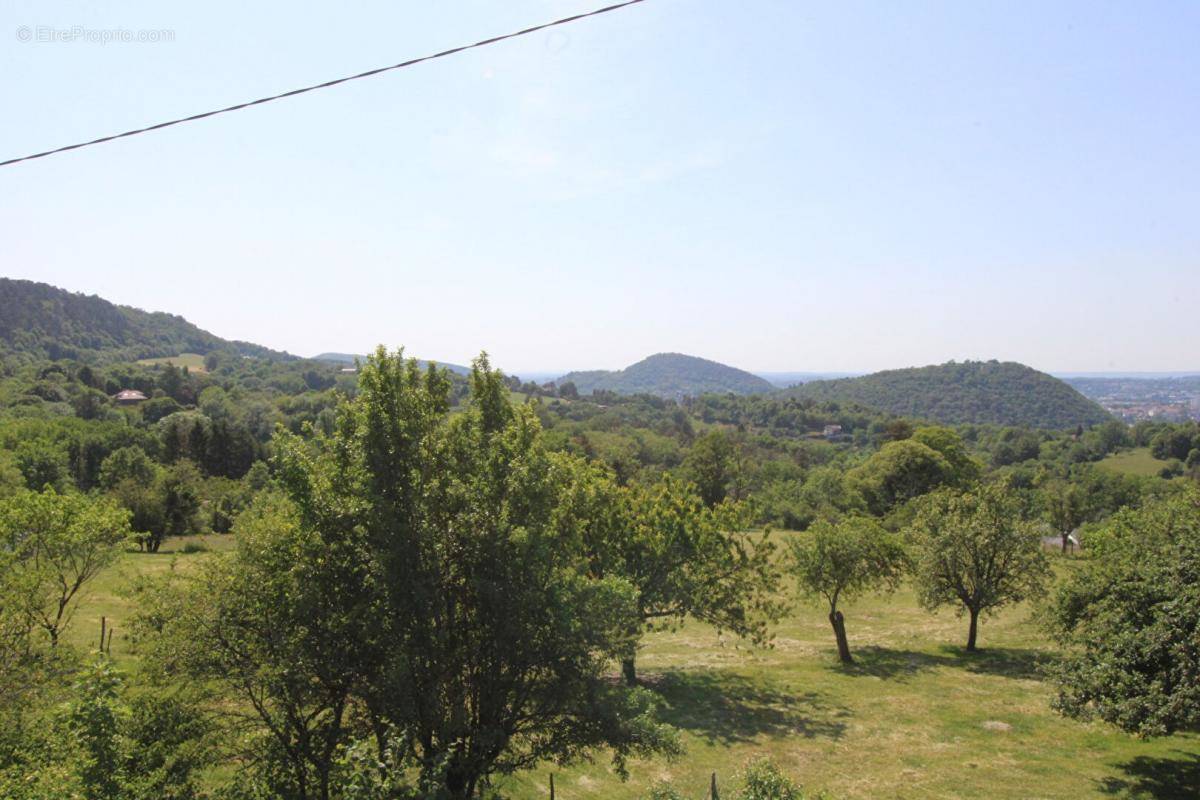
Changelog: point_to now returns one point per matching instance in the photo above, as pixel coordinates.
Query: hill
(350, 358)
(669, 375)
(972, 391)
(43, 321)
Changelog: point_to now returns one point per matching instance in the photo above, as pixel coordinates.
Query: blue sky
(775, 185)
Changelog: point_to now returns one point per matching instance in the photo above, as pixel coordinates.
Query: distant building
(831, 431)
(350, 370)
(129, 397)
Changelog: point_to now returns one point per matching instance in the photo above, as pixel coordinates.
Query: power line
(326, 84)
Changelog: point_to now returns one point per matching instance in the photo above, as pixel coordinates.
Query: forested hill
(1002, 393)
(41, 321)
(669, 375)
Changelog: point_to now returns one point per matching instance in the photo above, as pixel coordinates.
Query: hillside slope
(972, 391)
(43, 321)
(669, 375)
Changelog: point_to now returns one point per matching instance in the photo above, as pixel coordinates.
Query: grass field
(916, 717)
(1137, 461)
(107, 596)
(193, 361)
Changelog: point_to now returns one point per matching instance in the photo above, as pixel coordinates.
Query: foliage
(681, 557)
(54, 545)
(425, 577)
(899, 472)
(127, 464)
(714, 464)
(760, 779)
(836, 561)
(108, 745)
(976, 552)
(1131, 621)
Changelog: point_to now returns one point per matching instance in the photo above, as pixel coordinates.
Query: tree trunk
(1066, 541)
(971, 632)
(839, 630)
(629, 671)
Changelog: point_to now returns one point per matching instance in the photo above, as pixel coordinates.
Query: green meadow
(1135, 461)
(193, 361)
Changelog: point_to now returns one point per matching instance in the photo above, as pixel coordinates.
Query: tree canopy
(423, 587)
(1130, 621)
(975, 551)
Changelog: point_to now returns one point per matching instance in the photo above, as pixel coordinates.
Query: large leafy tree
(682, 557)
(284, 626)
(837, 561)
(1130, 621)
(964, 469)
(899, 472)
(715, 465)
(54, 545)
(976, 552)
(425, 586)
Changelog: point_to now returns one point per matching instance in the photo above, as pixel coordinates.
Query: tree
(127, 464)
(898, 472)
(964, 469)
(1065, 506)
(568, 391)
(180, 495)
(975, 551)
(57, 543)
(284, 628)
(43, 463)
(90, 404)
(431, 576)
(839, 561)
(682, 557)
(107, 743)
(712, 464)
(1173, 442)
(1129, 621)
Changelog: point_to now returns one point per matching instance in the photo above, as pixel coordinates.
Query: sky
(775, 185)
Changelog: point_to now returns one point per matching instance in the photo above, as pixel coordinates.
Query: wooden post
(712, 792)
(551, 786)
(103, 622)
(108, 647)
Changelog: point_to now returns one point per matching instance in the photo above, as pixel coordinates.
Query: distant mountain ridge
(43, 321)
(669, 375)
(983, 392)
(350, 358)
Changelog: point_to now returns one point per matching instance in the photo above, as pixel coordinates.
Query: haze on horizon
(773, 186)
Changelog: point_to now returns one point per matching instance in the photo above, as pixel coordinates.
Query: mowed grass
(193, 361)
(915, 717)
(1136, 461)
(108, 595)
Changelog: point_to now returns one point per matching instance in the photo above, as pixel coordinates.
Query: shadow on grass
(890, 664)
(725, 708)
(1158, 778)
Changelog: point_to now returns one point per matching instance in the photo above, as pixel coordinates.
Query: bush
(764, 781)
(760, 779)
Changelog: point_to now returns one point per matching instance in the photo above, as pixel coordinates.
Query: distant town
(1133, 399)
